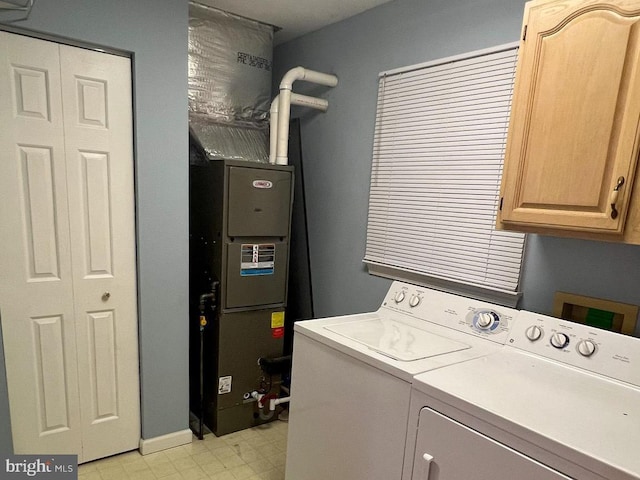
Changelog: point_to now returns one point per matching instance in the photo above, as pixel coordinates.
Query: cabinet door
(574, 122)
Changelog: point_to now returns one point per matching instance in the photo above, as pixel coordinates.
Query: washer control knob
(485, 320)
(399, 296)
(586, 348)
(414, 301)
(559, 340)
(533, 333)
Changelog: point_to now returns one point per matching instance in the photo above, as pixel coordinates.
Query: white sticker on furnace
(257, 259)
(224, 385)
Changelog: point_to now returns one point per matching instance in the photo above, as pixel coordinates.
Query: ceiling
(295, 17)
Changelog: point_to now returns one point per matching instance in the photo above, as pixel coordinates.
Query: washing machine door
(448, 450)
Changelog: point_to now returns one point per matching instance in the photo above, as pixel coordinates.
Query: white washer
(351, 378)
(560, 400)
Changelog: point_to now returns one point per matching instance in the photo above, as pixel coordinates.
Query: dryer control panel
(600, 351)
(481, 319)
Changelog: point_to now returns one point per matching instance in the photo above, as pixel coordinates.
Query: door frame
(66, 41)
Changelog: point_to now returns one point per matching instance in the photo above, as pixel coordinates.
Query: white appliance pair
(434, 386)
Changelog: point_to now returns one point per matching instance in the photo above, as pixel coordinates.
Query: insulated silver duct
(230, 62)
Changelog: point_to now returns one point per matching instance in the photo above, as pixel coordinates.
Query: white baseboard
(170, 440)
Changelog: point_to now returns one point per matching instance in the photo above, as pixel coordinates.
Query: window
(439, 142)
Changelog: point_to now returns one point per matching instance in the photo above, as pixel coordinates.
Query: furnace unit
(240, 215)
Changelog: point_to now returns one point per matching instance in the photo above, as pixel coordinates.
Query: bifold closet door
(36, 288)
(67, 264)
(96, 98)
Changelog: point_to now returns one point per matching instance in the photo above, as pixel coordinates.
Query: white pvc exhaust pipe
(296, 99)
(311, 102)
(273, 129)
(277, 401)
(284, 107)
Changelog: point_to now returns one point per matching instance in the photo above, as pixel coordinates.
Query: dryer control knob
(485, 320)
(586, 348)
(533, 333)
(559, 340)
(414, 301)
(399, 296)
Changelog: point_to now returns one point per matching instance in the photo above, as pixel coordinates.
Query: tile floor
(254, 454)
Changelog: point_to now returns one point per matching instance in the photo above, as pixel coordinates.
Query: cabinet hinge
(524, 34)
(501, 199)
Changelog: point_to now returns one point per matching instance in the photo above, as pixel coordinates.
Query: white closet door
(36, 291)
(96, 95)
(67, 263)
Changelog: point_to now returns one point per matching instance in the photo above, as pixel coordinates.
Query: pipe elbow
(274, 105)
(297, 73)
(301, 73)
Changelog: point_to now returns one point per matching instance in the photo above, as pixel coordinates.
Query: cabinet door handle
(426, 466)
(613, 199)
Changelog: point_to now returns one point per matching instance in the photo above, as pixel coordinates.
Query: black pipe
(203, 323)
(276, 365)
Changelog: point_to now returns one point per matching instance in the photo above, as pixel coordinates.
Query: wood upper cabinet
(573, 141)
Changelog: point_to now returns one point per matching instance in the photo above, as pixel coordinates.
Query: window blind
(439, 143)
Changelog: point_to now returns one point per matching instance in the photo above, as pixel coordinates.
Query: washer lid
(396, 339)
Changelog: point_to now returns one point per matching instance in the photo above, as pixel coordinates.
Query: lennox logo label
(63, 467)
(262, 184)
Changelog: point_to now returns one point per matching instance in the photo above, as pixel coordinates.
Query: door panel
(259, 202)
(36, 291)
(96, 212)
(448, 450)
(103, 366)
(50, 374)
(40, 206)
(246, 288)
(96, 91)
(31, 92)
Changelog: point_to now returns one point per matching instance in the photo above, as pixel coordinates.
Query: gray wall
(337, 151)
(156, 32)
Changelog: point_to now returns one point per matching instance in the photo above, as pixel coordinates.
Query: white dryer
(351, 378)
(561, 400)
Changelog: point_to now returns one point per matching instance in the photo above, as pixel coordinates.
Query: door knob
(106, 296)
